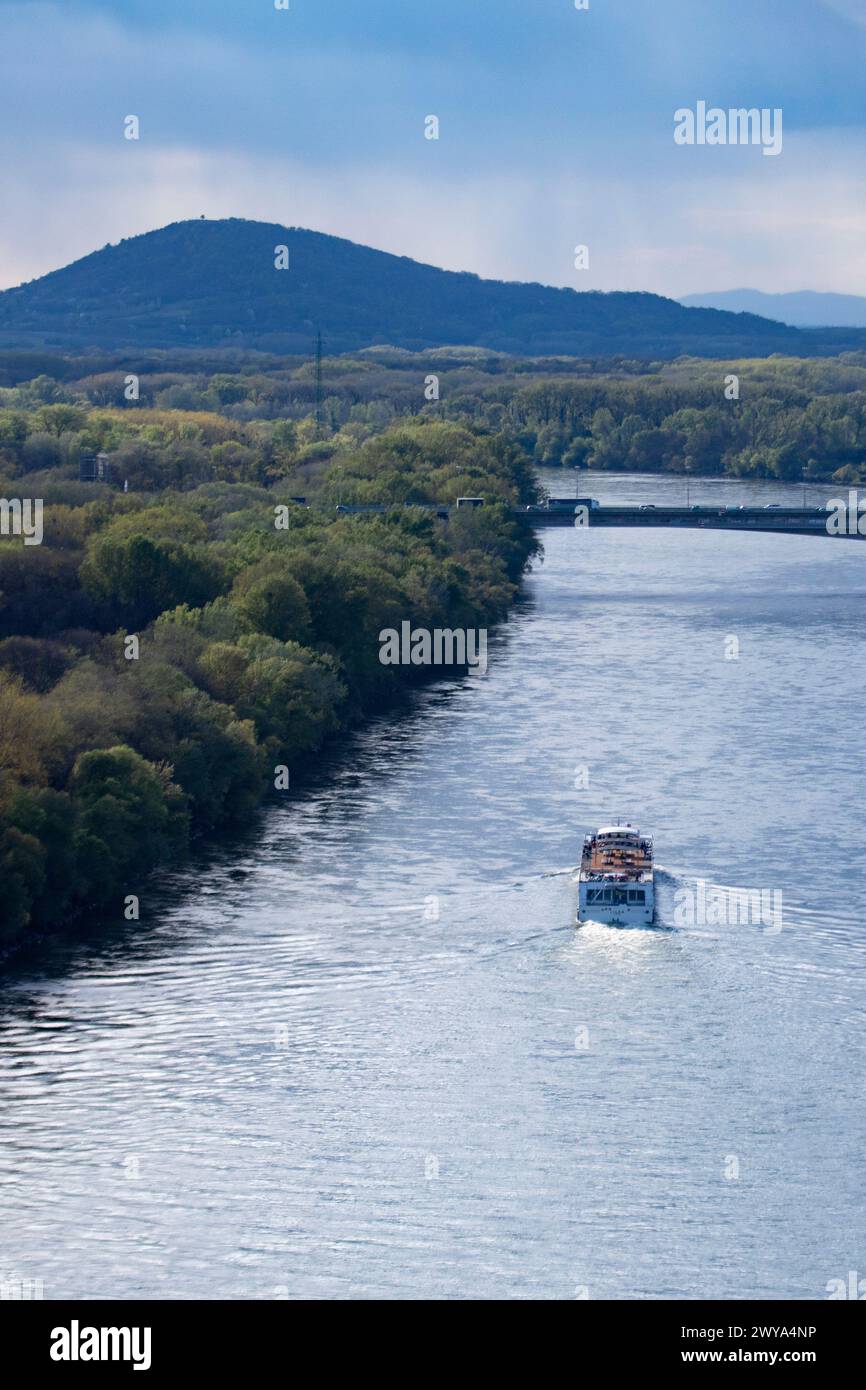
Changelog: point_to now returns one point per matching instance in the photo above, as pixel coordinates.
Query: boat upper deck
(603, 860)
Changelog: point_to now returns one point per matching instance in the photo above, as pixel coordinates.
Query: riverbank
(169, 658)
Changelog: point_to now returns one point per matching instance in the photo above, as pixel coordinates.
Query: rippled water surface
(295, 1078)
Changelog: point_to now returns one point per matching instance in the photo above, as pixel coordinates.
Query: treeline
(779, 420)
(164, 655)
(251, 417)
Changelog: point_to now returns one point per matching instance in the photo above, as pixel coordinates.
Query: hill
(800, 309)
(214, 283)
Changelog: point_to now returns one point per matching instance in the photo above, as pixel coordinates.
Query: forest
(170, 653)
(177, 419)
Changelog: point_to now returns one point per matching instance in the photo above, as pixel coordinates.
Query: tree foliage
(254, 643)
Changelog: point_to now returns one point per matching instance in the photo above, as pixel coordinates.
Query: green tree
(142, 577)
(272, 600)
(131, 816)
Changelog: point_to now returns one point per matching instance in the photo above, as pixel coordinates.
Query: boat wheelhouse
(615, 880)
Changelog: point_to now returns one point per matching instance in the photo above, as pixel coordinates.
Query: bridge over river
(585, 511)
(791, 520)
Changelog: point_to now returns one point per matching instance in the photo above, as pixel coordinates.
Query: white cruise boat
(615, 881)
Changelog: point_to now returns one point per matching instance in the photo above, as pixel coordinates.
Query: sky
(556, 129)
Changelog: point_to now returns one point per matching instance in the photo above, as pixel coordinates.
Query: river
(366, 1054)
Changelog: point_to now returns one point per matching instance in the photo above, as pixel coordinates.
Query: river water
(366, 1053)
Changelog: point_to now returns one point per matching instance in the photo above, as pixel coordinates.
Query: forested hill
(215, 283)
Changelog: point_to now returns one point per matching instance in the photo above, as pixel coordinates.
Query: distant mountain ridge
(798, 309)
(214, 284)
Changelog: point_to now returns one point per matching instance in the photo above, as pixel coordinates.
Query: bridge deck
(788, 520)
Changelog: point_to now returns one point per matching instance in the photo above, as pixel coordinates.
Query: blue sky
(556, 128)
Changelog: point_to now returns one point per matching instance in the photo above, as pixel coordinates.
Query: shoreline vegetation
(168, 656)
(168, 653)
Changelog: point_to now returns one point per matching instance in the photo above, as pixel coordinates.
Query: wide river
(365, 1052)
